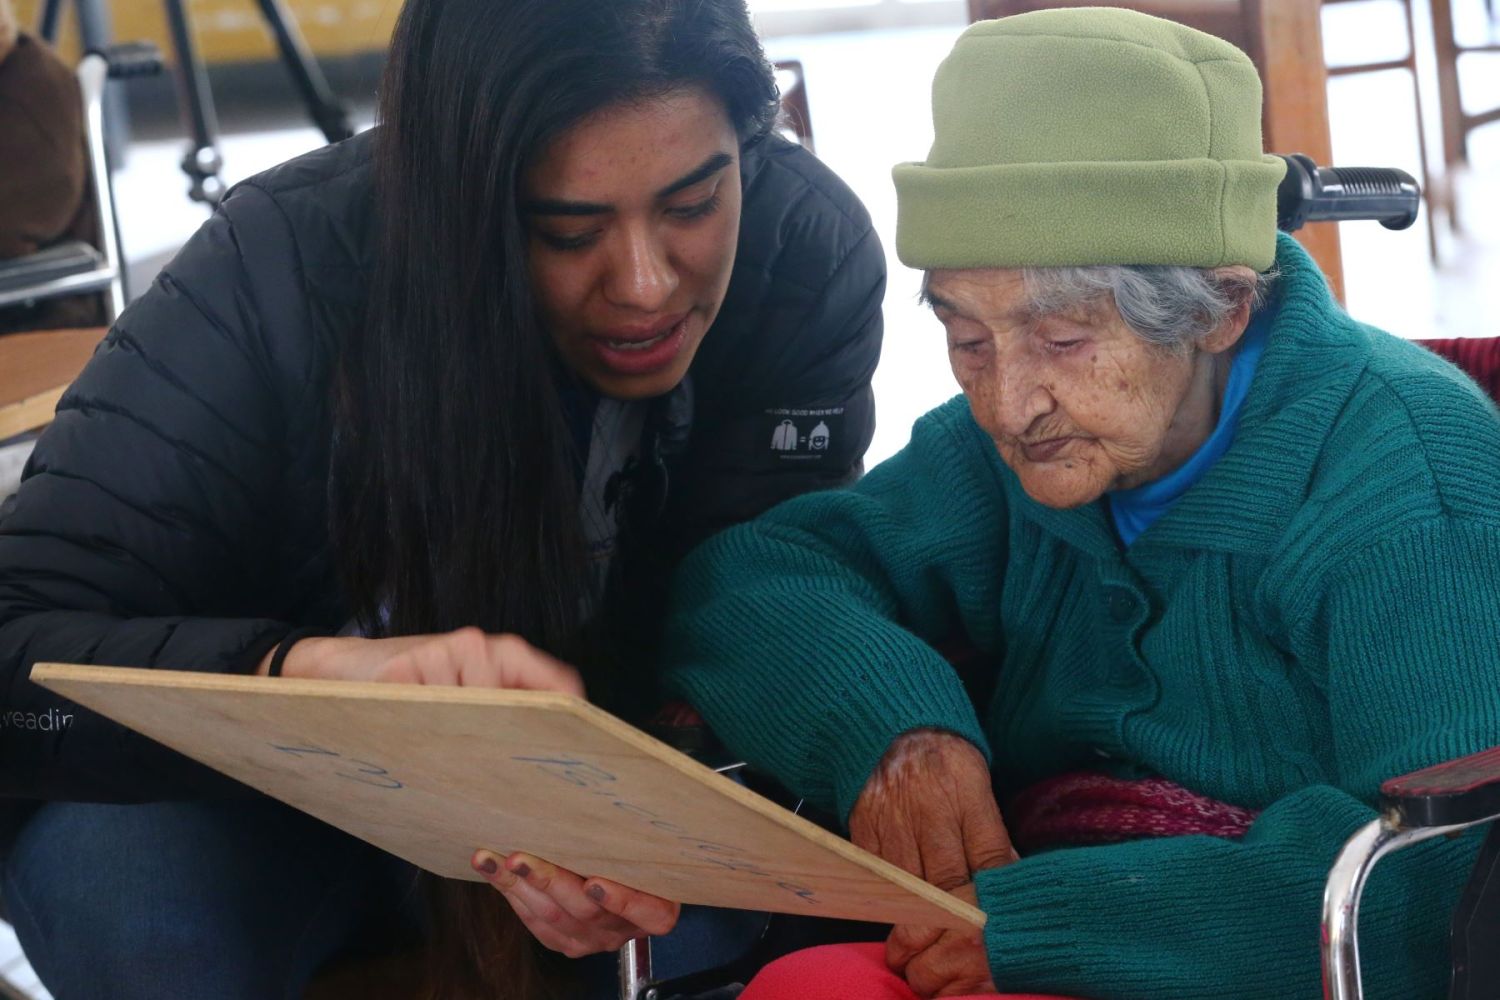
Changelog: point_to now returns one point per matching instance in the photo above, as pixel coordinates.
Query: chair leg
(1431, 196)
(1450, 102)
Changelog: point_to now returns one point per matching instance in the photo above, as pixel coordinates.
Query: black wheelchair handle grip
(1310, 193)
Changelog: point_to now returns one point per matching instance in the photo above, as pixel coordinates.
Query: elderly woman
(1231, 557)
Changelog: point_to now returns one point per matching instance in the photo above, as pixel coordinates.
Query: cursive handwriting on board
(361, 771)
(595, 780)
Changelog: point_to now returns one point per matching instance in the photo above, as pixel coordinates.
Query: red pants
(844, 972)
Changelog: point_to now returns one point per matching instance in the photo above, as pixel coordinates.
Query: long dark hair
(454, 495)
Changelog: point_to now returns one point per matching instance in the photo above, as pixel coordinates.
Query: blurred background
(866, 67)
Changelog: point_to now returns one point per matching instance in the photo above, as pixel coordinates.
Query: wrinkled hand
(929, 809)
(467, 657)
(941, 962)
(571, 914)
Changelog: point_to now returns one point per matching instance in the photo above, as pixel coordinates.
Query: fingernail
(488, 866)
(522, 869)
(595, 892)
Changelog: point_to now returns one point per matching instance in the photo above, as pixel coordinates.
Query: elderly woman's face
(1077, 403)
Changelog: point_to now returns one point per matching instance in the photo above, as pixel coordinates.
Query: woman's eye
(1061, 346)
(697, 209)
(565, 243)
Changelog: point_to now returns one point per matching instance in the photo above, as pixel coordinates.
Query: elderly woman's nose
(641, 275)
(1020, 397)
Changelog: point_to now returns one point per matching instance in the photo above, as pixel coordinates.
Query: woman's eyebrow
(558, 206)
(703, 171)
(935, 301)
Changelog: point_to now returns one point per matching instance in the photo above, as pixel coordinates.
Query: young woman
(484, 373)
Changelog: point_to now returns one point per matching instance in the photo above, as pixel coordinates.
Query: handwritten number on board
(304, 751)
(370, 774)
(365, 772)
(574, 772)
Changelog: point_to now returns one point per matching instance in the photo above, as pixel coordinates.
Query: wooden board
(432, 773)
(35, 368)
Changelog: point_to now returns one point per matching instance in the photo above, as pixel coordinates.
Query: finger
(933, 971)
(510, 879)
(522, 665)
(489, 864)
(647, 913)
(955, 965)
(433, 663)
(923, 979)
(550, 935)
(567, 890)
(400, 669)
(906, 942)
(986, 840)
(945, 861)
(604, 932)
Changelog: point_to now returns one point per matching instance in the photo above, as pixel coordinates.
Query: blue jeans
(222, 901)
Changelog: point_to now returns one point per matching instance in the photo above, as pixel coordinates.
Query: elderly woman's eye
(1062, 346)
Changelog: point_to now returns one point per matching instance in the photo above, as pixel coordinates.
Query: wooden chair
(795, 117)
(1457, 123)
(1284, 38)
(1433, 185)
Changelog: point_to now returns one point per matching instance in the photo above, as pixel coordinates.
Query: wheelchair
(74, 267)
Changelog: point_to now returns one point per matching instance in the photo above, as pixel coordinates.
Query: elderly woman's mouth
(1045, 450)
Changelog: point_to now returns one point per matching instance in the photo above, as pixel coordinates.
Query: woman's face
(633, 217)
(1076, 403)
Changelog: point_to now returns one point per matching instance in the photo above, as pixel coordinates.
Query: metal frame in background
(108, 275)
(202, 162)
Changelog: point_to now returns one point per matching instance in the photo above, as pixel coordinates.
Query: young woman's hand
(572, 914)
(941, 962)
(929, 809)
(466, 658)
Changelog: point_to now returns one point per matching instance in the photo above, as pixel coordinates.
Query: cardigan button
(1121, 606)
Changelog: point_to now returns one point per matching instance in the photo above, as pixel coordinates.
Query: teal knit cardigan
(1319, 613)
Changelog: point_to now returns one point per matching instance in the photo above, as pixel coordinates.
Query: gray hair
(1168, 306)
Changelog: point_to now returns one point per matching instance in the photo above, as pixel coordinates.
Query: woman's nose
(1020, 398)
(640, 274)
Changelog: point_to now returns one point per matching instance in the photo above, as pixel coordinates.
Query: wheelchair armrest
(1453, 793)
(37, 269)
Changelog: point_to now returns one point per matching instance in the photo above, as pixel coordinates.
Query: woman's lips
(1043, 451)
(641, 351)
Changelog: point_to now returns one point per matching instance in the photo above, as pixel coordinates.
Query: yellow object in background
(234, 31)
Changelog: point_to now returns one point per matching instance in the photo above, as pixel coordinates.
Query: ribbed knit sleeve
(1405, 634)
(842, 592)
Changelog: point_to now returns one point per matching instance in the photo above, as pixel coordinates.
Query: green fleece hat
(1091, 135)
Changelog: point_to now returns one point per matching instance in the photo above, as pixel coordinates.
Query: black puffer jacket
(175, 514)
